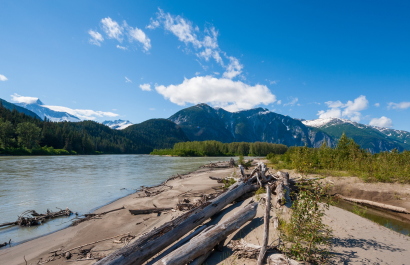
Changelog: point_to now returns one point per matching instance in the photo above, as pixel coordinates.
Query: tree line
(389, 166)
(21, 134)
(215, 148)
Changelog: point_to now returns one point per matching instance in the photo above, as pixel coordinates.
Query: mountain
(372, 138)
(156, 133)
(11, 106)
(44, 112)
(117, 124)
(202, 122)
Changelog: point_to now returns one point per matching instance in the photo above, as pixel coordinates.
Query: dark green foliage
(19, 109)
(347, 156)
(215, 148)
(87, 137)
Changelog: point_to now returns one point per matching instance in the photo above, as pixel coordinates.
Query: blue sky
(137, 60)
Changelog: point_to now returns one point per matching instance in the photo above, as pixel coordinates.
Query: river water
(81, 183)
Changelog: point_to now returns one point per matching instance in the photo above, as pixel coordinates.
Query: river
(81, 183)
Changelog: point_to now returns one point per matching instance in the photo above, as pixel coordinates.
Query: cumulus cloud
(96, 37)
(112, 29)
(21, 99)
(83, 114)
(115, 30)
(279, 102)
(350, 110)
(292, 102)
(381, 122)
(145, 87)
(377, 105)
(400, 106)
(205, 43)
(226, 93)
(3, 78)
(127, 80)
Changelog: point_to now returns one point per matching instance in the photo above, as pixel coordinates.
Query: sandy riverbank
(357, 240)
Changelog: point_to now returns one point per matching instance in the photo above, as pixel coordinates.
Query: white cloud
(226, 93)
(292, 102)
(351, 109)
(96, 37)
(272, 82)
(382, 122)
(3, 78)
(83, 114)
(216, 73)
(401, 105)
(122, 47)
(279, 102)
(127, 80)
(145, 87)
(330, 113)
(197, 73)
(377, 105)
(151, 108)
(112, 29)
(21, 99)
(234, 68)
(205, 43)
(138, 35)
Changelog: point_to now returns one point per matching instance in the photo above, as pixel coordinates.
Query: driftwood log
(280, 259)
(266, 227)
(209, 239)
(180, 243)
(282, 189)
(31, 217)
(150, 210)
(156, 240)
(220, 180)
(242, 171)
(376, 204)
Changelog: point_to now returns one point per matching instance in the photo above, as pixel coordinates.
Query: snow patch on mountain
(118, 124)
(44, 112)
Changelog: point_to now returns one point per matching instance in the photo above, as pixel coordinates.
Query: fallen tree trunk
(209, 239)
(179, 244)
(156, 240)
(266, 227)
(150, 210)
(282, 189)
(376, 204)
(9, 223)
(242, 171)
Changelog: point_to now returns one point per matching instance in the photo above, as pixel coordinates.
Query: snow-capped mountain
(202, 122)
(373, 138)
(44, 112)
(118, 124)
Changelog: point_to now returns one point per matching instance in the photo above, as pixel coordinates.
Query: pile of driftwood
(32, 218)
(196, 247)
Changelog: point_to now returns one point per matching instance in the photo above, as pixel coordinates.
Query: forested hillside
(23, 134)
(11, 106)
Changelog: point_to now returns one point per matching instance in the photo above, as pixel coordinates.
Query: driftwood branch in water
(150, 210)
(156, 240)
(266, 227)
(376, 204)
(209, 239)
(31, 217)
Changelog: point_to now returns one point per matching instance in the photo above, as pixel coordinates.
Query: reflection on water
(80, 183)
(388, 219)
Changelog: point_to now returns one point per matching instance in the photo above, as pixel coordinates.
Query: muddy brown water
(389, 219)
(81, 183)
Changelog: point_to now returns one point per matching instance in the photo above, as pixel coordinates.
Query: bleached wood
(204, 243)
(376, 204)
(266, 227)
(149, 244)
